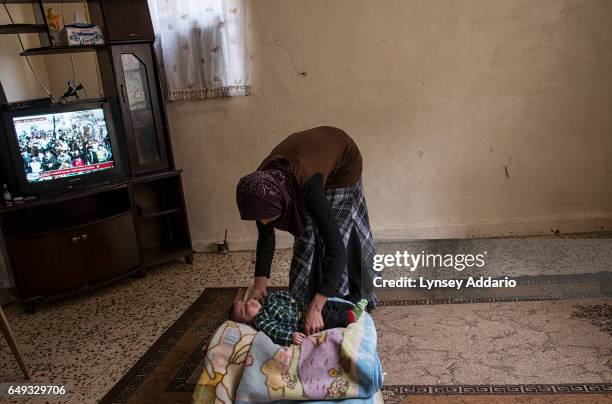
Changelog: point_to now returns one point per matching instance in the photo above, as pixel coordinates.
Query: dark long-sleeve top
(318, 208)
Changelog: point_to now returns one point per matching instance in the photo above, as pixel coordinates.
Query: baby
(281, 316)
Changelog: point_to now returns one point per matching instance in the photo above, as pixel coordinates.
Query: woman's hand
(260, 284)
(313, 323)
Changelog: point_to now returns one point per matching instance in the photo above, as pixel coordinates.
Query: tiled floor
(88, 342)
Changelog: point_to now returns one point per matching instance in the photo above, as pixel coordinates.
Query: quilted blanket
(244, 366)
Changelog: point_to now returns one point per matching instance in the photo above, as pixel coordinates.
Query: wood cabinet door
(109, 248)
(127, 20)
(47, 265)
(140, 107)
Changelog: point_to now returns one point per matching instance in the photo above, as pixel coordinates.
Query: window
(202, 47)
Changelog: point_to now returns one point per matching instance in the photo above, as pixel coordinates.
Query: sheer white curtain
(202, 47)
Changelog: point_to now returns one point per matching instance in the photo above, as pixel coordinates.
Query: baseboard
(491, 229)
(282, 242)
(460, 231)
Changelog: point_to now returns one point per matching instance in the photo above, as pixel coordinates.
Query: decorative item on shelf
(73, 88)
(80, 34)
(55, 27)
(6, 195)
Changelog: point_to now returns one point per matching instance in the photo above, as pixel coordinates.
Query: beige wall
(475, 118)
(18, 81)
(59, 69)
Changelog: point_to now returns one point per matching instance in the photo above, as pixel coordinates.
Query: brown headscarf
(271, 192)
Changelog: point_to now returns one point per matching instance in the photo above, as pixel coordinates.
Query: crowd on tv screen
(64, 141)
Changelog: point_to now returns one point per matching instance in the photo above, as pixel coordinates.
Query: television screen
(63, 144)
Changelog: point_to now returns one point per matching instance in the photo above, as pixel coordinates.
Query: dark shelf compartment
(46, 218)
(164, 252)
(62, 198)
(22, 28)
(162, 221)
(51, 50)
(158, 196)
(154, 211)
(158, 175)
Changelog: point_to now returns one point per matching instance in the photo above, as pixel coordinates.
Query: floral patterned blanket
(244, 366)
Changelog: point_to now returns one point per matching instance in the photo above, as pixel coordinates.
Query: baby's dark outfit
(281, 315)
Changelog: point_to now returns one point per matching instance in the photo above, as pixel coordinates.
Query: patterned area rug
(526, 347)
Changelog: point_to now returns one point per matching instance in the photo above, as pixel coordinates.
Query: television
(61, 147)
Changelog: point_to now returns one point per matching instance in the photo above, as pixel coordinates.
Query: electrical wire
(70, 54)
(71, 59)
(97, 64)
(40, 83)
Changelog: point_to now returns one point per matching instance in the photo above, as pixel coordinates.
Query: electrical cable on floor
(26, 57)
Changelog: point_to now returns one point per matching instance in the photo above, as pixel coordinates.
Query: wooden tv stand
(68, 243)
(78, 241)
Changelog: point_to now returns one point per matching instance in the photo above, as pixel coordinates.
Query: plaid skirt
(348, 206)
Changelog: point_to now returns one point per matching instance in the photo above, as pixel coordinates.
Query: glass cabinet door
(139, 104)
(141, 111)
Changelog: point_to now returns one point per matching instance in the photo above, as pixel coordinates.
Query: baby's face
(245, 311)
